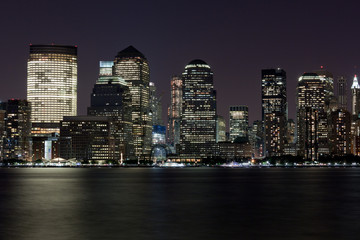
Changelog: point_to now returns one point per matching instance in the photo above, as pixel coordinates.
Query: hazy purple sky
(236, 38)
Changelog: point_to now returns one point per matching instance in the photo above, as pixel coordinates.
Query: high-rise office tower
(328, 82)
(355, 104)
(355, 112)
(111, 98)
(340, 130)
(198, 123)
(290, 144)
(256, 135)
(274, 110)
(238, 121)
(132, 66)
(342, 92)
(310, 114)
(175, 111)
(158, 128)
(51, 86)
(331, 104)
(17, 130)
(155, 106)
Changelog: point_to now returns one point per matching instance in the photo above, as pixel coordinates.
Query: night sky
(236, 38)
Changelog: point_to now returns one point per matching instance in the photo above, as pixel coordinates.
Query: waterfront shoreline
(196, 166)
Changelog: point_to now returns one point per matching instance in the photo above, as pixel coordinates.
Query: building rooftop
(130, 51)
(53, 49)
(197, 63)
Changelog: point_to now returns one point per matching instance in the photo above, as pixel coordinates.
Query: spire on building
(355, 83)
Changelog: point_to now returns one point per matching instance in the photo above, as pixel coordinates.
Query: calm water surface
(190, 203)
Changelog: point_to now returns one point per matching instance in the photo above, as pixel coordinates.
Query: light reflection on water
(190, 203)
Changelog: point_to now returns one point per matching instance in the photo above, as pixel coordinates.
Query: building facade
(256, 138)
(310, 114)
(340, 132)
(111, 98)
(274, 110)
(51, 86)
(132, 66)
(220, 129)
(198, 121)
(238, 121)
(155, 106)
(175, 111)
(355, 103)
(88, 138)
(342, 92)
(17, 130)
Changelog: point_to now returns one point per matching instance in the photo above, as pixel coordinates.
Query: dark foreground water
(191, 203)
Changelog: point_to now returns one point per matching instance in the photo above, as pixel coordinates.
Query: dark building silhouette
(111, 97)
(88, 138)
(342, 92)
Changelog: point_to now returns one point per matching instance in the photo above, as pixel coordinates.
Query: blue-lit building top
(106, 68)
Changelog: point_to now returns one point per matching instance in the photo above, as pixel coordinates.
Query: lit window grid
(52, 87)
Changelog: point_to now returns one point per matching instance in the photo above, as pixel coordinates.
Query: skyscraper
(238, 121)
(342, 92)
(155, 106)
(256, 135)
(17, 130)
(340, 129)
(355, 111)
(175, 111)
(198, 122)
(111, 98)
(132, 66)
(274, 110)
(310, 112)
(51, 86)
(355, 104)
(328, 82)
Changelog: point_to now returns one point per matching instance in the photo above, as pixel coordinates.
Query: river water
(189, 203)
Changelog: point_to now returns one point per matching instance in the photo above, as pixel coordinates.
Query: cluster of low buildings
(124, 122)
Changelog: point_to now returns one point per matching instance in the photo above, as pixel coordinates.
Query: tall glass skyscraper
(274, 110)
(51, 86)
(239, 121)
(132, 66)
(198, 123)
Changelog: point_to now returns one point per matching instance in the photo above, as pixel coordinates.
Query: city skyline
(232, 39)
